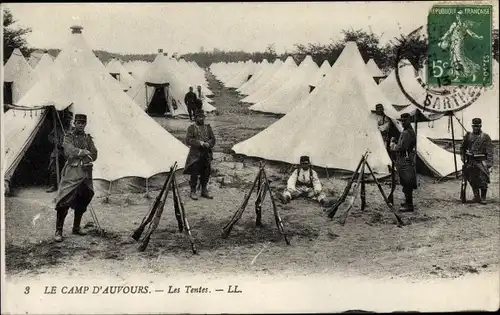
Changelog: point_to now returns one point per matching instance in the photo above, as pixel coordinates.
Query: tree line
(384, 55)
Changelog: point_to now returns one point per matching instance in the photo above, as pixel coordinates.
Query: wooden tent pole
(454, 150)
(417, 114)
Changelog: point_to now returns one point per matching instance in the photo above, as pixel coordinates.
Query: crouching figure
(304, 182)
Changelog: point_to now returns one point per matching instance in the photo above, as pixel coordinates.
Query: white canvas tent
(284, 73)
(341, 127)
(320, 74)
(18, 77)
(291, 92)
(261, 78)
(132, 146)
(159, 92)
(373, 69)
(43, 66)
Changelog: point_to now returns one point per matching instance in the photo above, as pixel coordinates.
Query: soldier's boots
(477, 197)
(61, 215)
(484, 191)
(408, 204)
(206, 194)
(58, 237)
(192, 195)
(77, 230)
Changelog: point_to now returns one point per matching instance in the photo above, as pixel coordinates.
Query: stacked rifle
(152, 219)
(358, 179)
(263, 187)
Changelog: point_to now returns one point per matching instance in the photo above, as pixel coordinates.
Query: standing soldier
(76, 189)
(404, 151)
(477, 154)
(59, 151)
(190, 100)
(201, 140)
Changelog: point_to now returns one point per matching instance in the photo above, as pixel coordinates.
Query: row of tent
(158, 87)
(133, 147)
(328, 112)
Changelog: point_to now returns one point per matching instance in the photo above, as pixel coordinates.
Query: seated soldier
(304, 182)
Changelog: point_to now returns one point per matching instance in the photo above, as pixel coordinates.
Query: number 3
(27, 290)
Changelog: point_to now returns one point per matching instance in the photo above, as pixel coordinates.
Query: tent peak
(160, 50)
(76, 29)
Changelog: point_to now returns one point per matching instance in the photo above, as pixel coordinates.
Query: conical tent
(35, 58)
(18, 77)
(340, 127)
(130, 143)
(390, 86)
(291, 92)
(117, 71)
(159, 91)
(320, 74)
(242, 75)
(43, 66)
(284, 73)
(373, 69)
(263, 78)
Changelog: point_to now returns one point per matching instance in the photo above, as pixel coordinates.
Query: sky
(186, 27)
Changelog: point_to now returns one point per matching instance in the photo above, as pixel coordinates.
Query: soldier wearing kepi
(76, 189)
(404, 151)
(58, 150)
(201, 140)
(477, 154)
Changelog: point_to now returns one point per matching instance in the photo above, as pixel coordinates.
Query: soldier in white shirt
(304, 182)
(383, 123)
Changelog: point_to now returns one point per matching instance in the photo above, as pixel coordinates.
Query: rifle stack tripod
(262, 183)
(358, 179)
(154, 215)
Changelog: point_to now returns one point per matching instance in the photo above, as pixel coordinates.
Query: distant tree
(13, 37)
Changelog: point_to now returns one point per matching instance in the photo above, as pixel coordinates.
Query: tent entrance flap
(32, 169)
(158, 104)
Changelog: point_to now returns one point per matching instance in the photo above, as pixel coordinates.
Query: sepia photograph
(250, 157)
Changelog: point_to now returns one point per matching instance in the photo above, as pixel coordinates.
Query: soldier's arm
(403, 141)
(292, 181)
(488, 146)
(191, 139)
(92, 148)
(69, 148)
(316, 182)
(211, 142)
(463, 148)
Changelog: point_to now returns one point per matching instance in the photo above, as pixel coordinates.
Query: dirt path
(443, 239)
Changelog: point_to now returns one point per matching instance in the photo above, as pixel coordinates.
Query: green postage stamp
(460, 45)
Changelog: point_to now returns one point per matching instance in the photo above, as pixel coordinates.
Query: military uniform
(190, 100)
(76, 188)
(477, 154)
(404, 151)
(201, 140)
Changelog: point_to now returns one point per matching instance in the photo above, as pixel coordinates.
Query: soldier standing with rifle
(201, 140)
(404, 153)
(477, 156)
(76, 188)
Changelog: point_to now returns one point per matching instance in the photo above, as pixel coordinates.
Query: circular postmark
(438, 99)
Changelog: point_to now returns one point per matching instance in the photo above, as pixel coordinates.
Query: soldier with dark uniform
(201, 140)
(477, 154)
(58, 150)
(404, 151)
(76, 188)
(190, 100)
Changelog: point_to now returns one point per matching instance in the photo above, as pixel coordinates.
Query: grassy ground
(442, 239)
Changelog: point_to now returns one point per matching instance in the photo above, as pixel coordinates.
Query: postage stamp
(460, 45)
